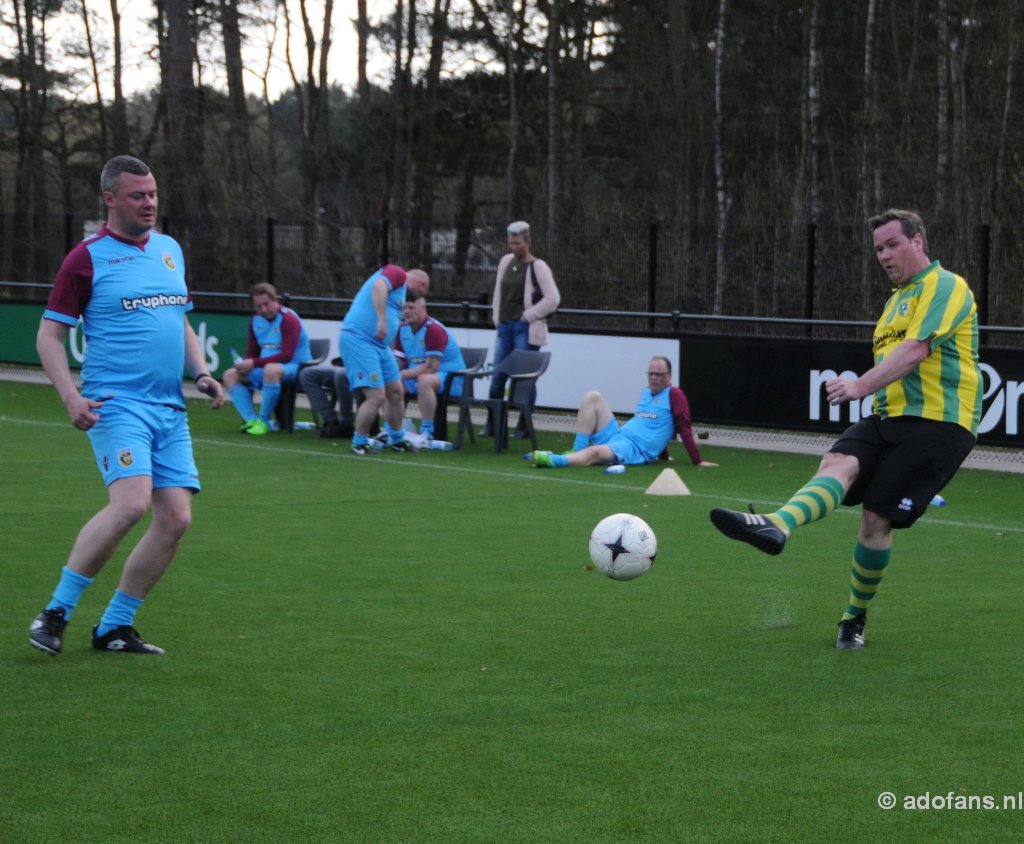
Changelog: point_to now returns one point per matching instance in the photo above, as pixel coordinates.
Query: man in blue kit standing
(127, 284)
(367, 333)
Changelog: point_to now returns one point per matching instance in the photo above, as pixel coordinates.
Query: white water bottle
(617, 469)
(442, 445)
(235, 357)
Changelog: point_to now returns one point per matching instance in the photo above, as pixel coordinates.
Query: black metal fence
(771, 272)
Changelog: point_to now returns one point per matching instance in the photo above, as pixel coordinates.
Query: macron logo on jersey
(126, 259)
(161, 301)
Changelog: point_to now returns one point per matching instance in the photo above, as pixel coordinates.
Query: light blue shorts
(625, 450)
(255, 376)
(456, 392)
(139, 439)
(368, 364)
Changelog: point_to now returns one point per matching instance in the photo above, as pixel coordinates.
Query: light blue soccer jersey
(652, 425)
(432, 339)
(361, 318)
(132, 299)
(272, 336)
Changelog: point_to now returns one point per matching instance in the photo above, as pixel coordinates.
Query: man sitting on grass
(661, 414)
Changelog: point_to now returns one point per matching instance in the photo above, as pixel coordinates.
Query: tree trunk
(319, 177)
(554, 123)
(425, 152)
(814, 112)
(400, 85)
(101, 113)
(958, 61)
(870, 125)
(189, 203)
(243, 262)
(721, 192)
(513, 177)
(678, 38)
(119, 139)
(363, 34)
(464, 216)
(942, 122)
(1008, 105)
(29, 224)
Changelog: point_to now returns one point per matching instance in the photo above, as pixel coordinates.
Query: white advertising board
(615, 366)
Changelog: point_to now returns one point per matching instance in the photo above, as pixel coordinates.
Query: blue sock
(360, 439)
(120, 612)
(395, 435)
(581, 442)
(241, 398)
(271, 393)
(427, 428)
(559, 460)
(69, 590)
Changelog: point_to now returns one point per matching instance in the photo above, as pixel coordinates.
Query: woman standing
(525, 294)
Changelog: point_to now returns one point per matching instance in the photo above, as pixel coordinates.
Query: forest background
(705, 157)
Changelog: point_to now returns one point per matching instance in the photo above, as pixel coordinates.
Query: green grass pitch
(407, 648)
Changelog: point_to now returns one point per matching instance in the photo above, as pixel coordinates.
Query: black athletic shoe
(331, 430)
(124, 639)
(404, 446)
(851, 633)
(751, 528)
(361, 449)
(47, 629)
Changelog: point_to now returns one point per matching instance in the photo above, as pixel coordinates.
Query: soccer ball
(623, 546)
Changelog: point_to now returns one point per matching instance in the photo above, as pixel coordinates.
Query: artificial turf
(414, 648)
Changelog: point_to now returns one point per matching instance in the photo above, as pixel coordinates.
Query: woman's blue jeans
(511, 335)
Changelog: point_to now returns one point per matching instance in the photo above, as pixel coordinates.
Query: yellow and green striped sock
(813, 501)
(865, 575)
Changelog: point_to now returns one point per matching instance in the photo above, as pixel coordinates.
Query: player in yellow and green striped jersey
(927, 404)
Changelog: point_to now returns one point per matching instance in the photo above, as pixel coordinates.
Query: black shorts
(905, 461)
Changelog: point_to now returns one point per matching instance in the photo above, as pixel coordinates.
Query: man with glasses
(661, 414)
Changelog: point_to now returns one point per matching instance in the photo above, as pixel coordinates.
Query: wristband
(195, 378)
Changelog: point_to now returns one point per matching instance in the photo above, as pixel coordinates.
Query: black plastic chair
(522, 367)
(474, 359)
(284, 413)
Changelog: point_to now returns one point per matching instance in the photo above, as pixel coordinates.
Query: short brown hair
(263, 287)
(665, 361)
(910, 223)
(110, 176)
